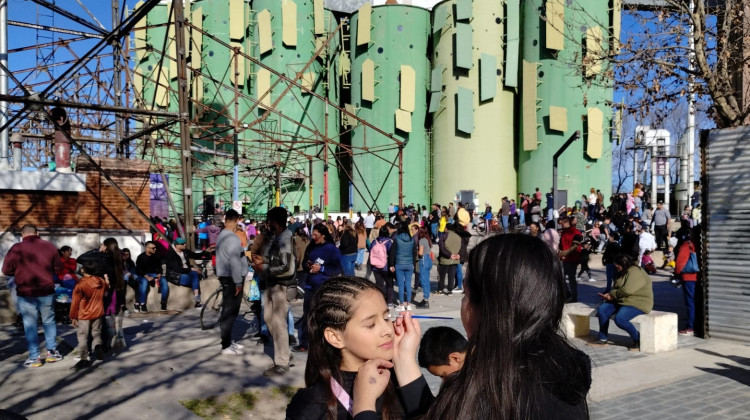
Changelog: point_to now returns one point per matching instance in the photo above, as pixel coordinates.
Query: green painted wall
(307, 114)
(399, 36)
(483, 160)
(561, 84)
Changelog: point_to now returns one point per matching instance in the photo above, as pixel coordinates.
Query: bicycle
(211, 310)
(212, 307)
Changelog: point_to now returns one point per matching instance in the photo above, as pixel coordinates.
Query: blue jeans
(404, 272)
(347, 262)
(360, 256)
(191, 279)
(521, 217)
(505, 223)
(29, 308)
(460, 276)
(434, 230)
(622, 319)
(143, 287)
(611, 270)
(425, 265)
(688, 292)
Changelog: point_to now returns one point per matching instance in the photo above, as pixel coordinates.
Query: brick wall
(100, 207)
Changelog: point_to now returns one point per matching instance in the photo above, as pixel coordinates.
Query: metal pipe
(185, 140)
(400, 177)
(17, 140)
(654, 175)
(4, 164)
(559, 152)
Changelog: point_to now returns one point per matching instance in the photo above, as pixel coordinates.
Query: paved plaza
(169, 359)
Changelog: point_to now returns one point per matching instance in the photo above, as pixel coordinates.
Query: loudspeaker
(208, 205)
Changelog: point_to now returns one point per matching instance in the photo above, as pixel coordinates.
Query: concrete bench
(658, 329)
(180, 297)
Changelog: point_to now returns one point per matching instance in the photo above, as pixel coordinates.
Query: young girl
(352, 343)
(648, 263)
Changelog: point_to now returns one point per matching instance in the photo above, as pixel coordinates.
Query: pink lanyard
(342, 395)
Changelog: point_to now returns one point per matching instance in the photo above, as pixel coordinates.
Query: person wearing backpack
(379, 250)
(688, 275)
(401, 259)
(322, 261)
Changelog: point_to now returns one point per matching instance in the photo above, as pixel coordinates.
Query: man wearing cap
(660, 220)
(570, 253)
(179, 269)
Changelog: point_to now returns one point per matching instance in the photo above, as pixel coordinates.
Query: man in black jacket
(179, 269)
(280, 273)
(148, 268)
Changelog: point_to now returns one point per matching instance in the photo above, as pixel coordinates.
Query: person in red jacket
(34, 262)
(688, 280)
(86, 312)
(570, 253)
(67, 276)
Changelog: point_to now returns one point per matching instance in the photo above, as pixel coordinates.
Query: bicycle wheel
(211, 311)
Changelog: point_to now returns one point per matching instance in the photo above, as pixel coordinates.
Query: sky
(26, 11)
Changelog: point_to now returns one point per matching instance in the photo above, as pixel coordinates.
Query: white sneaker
(232, 351)
(591, 279)
(236, 345)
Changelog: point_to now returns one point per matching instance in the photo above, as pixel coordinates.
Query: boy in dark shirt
(585, 253)
(442, 351)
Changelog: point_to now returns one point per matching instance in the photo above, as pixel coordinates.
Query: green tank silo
(564, 90)
(473, 115)
(389, 81)
(286, 35)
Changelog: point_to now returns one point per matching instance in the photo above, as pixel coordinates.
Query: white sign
(237, 206)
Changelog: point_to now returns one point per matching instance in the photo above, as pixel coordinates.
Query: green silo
(473, 114)
(149, 70)
(285, 38)
(221, 92)
(389, 81)
(565, 81)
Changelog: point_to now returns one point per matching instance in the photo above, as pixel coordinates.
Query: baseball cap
(180, 241)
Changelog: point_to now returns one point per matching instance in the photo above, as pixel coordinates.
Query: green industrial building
(402, 104)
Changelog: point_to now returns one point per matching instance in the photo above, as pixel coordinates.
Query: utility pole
(4, 138)
(185, 141)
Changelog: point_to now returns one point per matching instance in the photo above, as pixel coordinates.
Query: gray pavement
(169, 358)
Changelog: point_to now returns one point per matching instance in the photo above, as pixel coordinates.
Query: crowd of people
(354, 272)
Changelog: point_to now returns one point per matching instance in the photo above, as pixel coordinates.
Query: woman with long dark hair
(517, 365)
(631, 295)
(322, 261)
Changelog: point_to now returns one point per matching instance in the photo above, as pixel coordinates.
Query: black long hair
(516, 353)
(332, 307)
(323, 230)
(113, 250)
